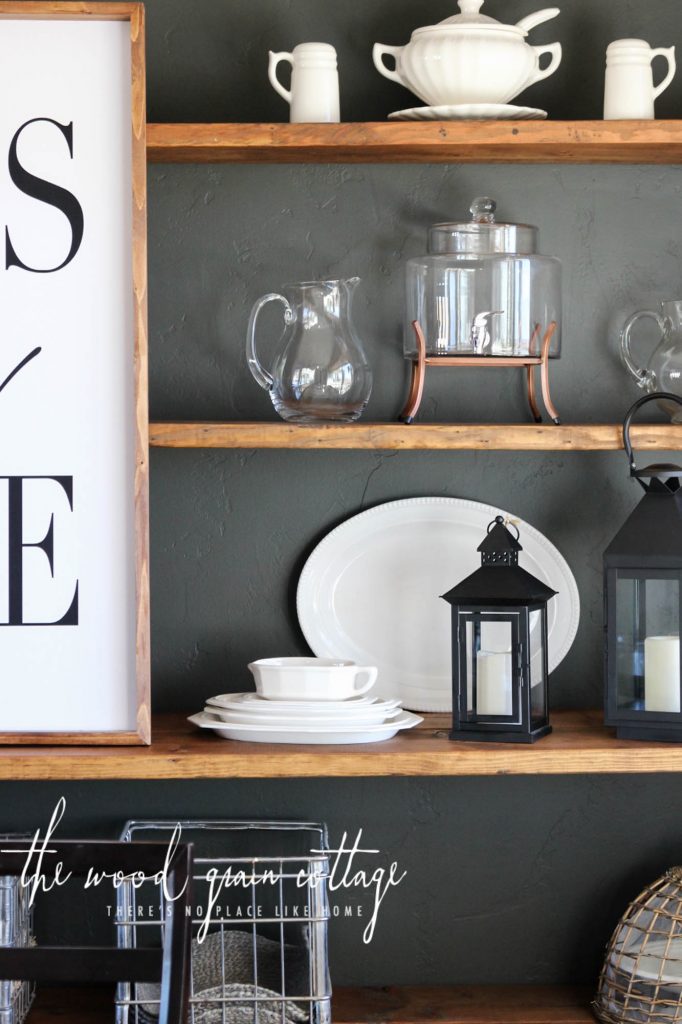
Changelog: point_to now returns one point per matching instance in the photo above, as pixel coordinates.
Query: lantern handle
(501, 521)
(654, 397)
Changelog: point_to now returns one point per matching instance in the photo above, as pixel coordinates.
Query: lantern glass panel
(648, 640)
(490, 681)
(538, 676)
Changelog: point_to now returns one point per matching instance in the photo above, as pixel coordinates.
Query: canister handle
(273, 61)
(669, 54)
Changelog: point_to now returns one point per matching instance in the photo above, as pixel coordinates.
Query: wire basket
(260, 914)
(641, 981)
(16, 929)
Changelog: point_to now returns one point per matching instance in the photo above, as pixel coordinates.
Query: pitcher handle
(262, 376)
(273, 60)
(378, 52)
(643, 377)
(556, 52)
(669, 55)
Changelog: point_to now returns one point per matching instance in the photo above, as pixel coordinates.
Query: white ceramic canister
(314, 92)
(630, 92)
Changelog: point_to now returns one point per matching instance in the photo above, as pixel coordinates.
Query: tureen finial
(470, 6)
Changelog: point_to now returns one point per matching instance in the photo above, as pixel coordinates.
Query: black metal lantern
(499, 647)
(642, 605)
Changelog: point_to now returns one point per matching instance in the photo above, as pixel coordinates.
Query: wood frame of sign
(136, 699)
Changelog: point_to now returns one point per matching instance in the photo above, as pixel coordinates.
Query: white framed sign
(74, 601)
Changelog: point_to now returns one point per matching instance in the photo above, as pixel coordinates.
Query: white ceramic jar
(314, 92)
(470, 58)
(629, 90)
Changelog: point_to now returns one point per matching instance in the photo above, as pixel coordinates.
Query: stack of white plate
(247, 716)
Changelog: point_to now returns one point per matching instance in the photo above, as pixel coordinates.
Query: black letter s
(46, 192)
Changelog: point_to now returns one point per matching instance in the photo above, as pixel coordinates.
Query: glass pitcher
(320, 372)
(664, 371)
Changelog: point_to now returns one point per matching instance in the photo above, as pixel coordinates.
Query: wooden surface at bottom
(77, 1006)
(497, 1004)
(493, 1004)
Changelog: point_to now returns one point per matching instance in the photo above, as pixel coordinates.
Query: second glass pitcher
(664, 369)
(320, 372)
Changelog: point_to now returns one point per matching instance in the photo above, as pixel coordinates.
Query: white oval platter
(371, 592)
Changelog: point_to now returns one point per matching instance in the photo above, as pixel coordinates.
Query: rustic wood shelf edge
(417, 436)
(579, 745)
(628, 142)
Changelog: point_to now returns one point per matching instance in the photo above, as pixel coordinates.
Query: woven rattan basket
(641, 981)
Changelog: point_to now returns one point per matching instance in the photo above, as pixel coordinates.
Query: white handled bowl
(313, 679)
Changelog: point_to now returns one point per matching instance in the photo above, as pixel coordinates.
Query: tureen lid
(470, 16)
(483, 235)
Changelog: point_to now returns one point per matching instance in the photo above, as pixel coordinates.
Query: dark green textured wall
(509, 879)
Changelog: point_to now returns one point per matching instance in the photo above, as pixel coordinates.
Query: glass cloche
(483, 289)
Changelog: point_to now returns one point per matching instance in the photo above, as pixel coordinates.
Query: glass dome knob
(483, 209)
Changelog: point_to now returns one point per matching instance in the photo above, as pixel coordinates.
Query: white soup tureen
(470, 58)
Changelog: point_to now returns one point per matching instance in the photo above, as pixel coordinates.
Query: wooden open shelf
(504, 1004)
(417, 436)
(579, 745)
(495, 1004)
(558, 142)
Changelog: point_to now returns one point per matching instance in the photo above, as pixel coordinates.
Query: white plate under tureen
(470, 112)
(370, 592)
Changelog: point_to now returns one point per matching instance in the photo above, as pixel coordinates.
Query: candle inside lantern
(493, 683)
(662, 673)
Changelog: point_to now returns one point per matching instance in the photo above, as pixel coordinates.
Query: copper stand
(529, 362)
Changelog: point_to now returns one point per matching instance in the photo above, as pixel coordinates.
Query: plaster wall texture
(509, 880)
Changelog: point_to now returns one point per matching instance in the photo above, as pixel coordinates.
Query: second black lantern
(643, 605)
(499, 647)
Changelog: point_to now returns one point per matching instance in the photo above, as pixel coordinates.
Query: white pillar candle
(662, 673)
(493, 683)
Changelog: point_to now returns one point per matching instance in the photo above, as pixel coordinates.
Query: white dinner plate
(470, 112)
(253, 702)
(371, 592)
(370, 716)
(278, 734)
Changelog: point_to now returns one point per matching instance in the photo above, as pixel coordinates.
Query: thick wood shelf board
(509, 1004)
(628, 142)
(579, 745)
(417, 436)
(503, 1004)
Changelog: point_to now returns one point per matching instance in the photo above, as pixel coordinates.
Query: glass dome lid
(483, 235)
